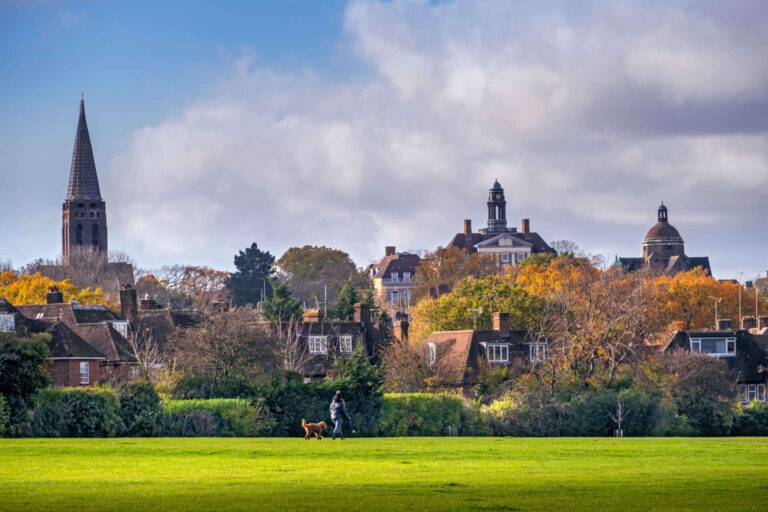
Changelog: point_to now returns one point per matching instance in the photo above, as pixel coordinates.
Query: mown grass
(220, 474)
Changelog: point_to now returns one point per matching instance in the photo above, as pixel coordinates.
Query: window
(431, 354)
(520, 257)
(718, 347)
(394, 296)
(345, 344)
(761, 392)
(537, 352)
(318, 344)
(751, 392)
(505, 257)
(79, 234)
(135, 372)
(394, 276)
(497, 353)
(7, 322)
(407, 277)
(85, 376)
(95, 235)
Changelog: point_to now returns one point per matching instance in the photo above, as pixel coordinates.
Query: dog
(313, 428)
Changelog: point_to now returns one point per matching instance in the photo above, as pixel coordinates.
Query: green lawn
(219, 474)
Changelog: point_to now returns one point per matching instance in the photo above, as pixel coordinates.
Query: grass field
(216, 474)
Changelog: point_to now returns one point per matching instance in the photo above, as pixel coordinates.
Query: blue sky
(364, 123)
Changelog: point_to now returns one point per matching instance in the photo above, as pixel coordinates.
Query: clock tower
(497, 211)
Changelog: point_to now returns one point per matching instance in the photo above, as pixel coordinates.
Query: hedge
(140, 410)
(5, 417)
(217, 417)
(420, 414)
(76, 412)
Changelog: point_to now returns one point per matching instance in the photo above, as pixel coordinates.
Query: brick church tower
(84, 215)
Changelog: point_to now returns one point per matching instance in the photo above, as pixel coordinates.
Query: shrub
(23, 371)
(420, 414)
(753, 420)
(218, 416)
(4, 417)
(140, 409)
(77, 412)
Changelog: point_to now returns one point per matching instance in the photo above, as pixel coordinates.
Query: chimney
(389, 250)
(724, 325)
(54, 296)
(148, 303)
(363, 312)
(129, 307)
(313, 316)
(220, 306)
(526, 226)
(401, 330)
(762, 322)
(501, 324)
(748, 322)
(468, 227)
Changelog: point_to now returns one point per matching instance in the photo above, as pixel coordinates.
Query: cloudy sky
(362, 124)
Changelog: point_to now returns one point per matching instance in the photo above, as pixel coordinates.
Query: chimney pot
(526, 226)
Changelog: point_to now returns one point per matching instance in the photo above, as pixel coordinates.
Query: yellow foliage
(31, 289)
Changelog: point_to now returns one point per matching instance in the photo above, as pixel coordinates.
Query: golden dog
(313, 428)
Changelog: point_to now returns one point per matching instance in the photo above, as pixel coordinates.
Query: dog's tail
(303, 422)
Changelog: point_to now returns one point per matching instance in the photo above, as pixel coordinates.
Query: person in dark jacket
(338, 413)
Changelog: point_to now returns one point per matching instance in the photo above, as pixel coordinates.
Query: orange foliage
(31, 289)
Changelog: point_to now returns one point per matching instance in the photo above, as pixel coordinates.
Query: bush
(77, 412)
(140, 410)
(4, 417)
(753, 421)
(218, 417)
(23, 371)
(420, 414)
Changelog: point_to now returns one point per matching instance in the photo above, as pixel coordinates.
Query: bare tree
(146, 349)
(619, 416)
(293, 350)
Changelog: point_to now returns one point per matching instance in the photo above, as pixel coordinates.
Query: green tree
(312, 271)
(22, 373)
(254, 269)
(344, 309)
(282, 307)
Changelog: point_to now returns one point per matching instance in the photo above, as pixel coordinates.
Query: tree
(32, 289)
(439, 272)
(566, 247)
(282, 307)
(23, 371)
(313, 271)
(146, 349)
(472, 304)
(248, 285)
(228, 345)
(201, 285)
(344, 309)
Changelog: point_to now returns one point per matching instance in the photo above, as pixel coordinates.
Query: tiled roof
(401, 262)
(83, 181)
(66, 343)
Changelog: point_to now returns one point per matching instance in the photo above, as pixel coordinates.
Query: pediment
(504, 240)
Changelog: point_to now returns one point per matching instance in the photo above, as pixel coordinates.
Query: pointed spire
(83, 181)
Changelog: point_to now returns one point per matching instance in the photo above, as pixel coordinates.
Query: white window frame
(730, 346)
(497, 352)
(85, 372)
(7, 322)
(393, 296)
(505, 257)
(431, 354)
(406, 277)
(537, 352)
(318, 344)
(394, 276)
(751, 392)
(345, 344)
(135, 372)
(761, 393)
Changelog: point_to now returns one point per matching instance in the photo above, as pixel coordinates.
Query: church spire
(83, 181)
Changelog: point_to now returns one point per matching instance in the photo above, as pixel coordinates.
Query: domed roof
(663, 230)
(496, 185)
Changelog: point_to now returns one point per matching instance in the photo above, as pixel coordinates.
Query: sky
(362, 124)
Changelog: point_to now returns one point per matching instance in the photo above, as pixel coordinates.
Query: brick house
(466, 352)
(394, 278)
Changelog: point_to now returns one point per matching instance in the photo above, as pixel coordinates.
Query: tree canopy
(32, 289)
(344, 309)
(281, 307)
(249, 281)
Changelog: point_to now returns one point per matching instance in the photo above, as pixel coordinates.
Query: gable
(504, 240)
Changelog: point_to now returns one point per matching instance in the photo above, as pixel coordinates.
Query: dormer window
(715, 347)
(394, 276)
(497, 353)
(406, 277)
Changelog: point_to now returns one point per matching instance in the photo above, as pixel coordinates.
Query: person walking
(338, 413)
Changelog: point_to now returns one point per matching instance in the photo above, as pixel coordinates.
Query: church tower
(84, 215)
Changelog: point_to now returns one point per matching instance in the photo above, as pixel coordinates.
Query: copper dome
(663, 230)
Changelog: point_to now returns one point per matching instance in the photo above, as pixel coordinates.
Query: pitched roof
(107, 340)
(400, 262)
(83, 181)
(464, 241)
(65, 343)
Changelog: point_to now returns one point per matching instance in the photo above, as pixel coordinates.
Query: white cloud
(571, 112)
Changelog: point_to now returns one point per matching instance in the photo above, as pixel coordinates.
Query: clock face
(498, 196)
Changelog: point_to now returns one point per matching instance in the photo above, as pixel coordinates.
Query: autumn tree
(472, 304)
(32, 289)
(202, 284)
(248, 284)
(441, 271)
